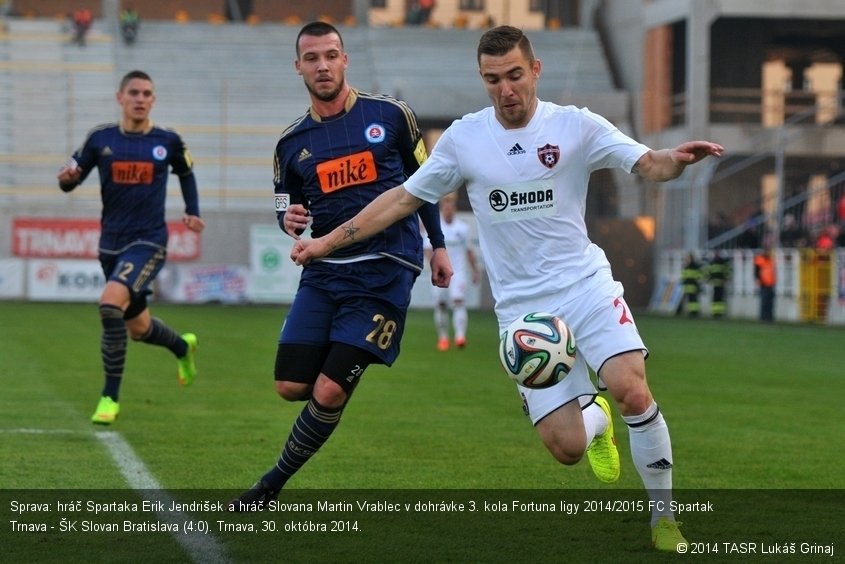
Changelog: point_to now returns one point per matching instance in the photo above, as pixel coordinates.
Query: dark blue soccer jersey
(336, 166)
(133, 170)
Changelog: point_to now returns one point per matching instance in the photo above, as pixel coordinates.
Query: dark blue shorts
(362, 304)
(136, 267)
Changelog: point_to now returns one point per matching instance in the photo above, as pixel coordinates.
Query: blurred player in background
(349, 310)
(134, 158)
(465, 271)
(526, 164)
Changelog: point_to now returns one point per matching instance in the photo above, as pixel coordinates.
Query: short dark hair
(317, 29)
(133, 75)
(501, 40)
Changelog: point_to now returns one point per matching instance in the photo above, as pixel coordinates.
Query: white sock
(459, 320)
(651, 450)
(441, 319)
(595, 420)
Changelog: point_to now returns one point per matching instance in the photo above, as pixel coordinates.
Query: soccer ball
(537, 350)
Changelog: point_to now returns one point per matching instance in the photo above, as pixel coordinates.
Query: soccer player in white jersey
(526, 165)
(452, 300)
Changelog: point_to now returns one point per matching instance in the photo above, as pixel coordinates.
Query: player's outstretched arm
(667, 164)
(387, 209)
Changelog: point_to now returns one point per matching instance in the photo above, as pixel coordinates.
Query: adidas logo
(304, 154)
(661, 464)
(516, 150)
(106, 151)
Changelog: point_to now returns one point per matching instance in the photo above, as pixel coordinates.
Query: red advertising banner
(78, 238)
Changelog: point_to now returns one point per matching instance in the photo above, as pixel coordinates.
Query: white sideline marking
(200, 548)
(25, 431)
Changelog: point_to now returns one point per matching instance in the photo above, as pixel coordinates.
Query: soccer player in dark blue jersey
(133, 159)
(349, 311)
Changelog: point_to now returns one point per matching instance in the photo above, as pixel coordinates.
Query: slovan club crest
(549, 155)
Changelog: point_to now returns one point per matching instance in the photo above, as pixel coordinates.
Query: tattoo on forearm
(349, 231)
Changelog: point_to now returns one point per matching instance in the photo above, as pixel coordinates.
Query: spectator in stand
(129, 22)
(426, 6)
(419, 13)
(749, 239)
(718, 226)
(791, 234)
(840, 208)
(82, 20)
(827, 238)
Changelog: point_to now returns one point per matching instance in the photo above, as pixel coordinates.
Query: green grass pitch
(750, 407)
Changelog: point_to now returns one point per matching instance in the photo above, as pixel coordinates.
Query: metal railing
(785, 118)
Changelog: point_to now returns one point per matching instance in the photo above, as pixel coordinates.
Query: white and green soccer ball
(537, 350)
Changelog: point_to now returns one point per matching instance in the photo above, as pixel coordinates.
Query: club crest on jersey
(159, 153)
(549, 155)
(375, 133)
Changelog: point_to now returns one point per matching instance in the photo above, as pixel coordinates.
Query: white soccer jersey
(523, 183)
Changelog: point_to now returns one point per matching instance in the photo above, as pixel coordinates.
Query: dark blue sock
(162, 335)
(310, 431)
(112, 348)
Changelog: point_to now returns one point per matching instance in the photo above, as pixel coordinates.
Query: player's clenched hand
(441, 268)
(69, 174)
(306, 250)
(296, 220)
(194, 223)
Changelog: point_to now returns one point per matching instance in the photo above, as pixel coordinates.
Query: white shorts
(603, 327)
(456, 292)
